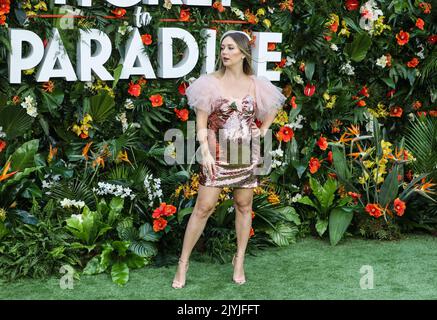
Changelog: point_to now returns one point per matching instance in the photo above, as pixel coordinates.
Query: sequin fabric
(233, 138)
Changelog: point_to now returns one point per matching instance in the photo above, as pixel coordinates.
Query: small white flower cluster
(153, 188)
(238, 13)
(298, 79)
(125, 28)
(113, 189)
(296, 197)
(290, 61)
(67, 203)
(369, 14)
(30, 105)
(2, 134)
(297, 124)
(382, 61)
(271, 9)
(123, 119)
(334, 47)
(277, 157)
(128, 104)
(347, 69)
(48, 183)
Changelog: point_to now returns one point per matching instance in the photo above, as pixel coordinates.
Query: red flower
(134, 89)
(396, 111)
(309, 90)
(420, 23)
(218, 6)
(352, 5)
(402, 37)
(330, 158)
(364, 91)
(164, 210)
(252, 233)
(432, 39)
(426, 7)
(182, 114)
(374, 210)
(147, 39)
(399, 207)
(159, 224)
(293, 102)
(285, 134)
(156, 100)
(322, 143)
(355, 196)
(119, 12)
(182, 87)
(169, 210)
(433, 113)
(391, 93)
(417, 105)
(271, 46)
(282, 63)
(314, 165)
(184, 15)
(3, 145)
(413, 63)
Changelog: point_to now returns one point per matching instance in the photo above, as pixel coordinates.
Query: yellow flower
(261, 12)
(344, 30)
(281, 118)
(2, 214)
(326, 96)
(87, 118)
(382, 162)
(331, 102)
(29, 71)
(364, 178)
(368, 164)
(258, 191)
(178, 190)
(122, 156)
(273, 198)
(379, 27)
(41, 6)
(267, 23)
(380, 111)
(386, 147)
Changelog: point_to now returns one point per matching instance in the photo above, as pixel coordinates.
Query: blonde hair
(243, 44)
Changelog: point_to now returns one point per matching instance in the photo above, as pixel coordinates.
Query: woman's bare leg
(243, 198)
(205, 205)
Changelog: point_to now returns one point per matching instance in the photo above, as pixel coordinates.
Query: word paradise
(94, 48)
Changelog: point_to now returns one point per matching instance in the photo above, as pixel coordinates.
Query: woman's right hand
(209, 163)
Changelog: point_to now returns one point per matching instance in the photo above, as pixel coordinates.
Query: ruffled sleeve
(269, 98)
(201, 94)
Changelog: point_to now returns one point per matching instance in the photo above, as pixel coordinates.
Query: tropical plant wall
(83, 178)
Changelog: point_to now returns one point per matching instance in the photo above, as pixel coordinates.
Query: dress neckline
(229, 97)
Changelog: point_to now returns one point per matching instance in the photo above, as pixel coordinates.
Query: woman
(227, 103)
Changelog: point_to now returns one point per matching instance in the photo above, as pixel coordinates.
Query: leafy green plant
(330, 211)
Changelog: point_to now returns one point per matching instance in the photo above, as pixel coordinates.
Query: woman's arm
(202, 136)
(267, 123)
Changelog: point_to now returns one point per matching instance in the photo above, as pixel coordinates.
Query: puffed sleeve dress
(233, 136)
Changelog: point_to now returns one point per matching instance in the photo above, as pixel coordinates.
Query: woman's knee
(243, 207)
(203, 210)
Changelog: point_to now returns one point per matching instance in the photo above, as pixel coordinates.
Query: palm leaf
(15, 121)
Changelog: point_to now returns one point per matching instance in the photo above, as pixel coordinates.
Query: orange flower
(5, 175)
(252, 233)
(86, 149)
(134, 89)
(286, 5)
(169, 210)
(218, 6)
(156, 100)
(16, 100)
(164, 209)
(374, 210)
(388, 56)
(182, 114)
(52, 153)
(159, 224)
(402, 37)
(184, 15)
(399, 207)
(420, 23)
(355, 196)
(314, 165)
(285, 134)
(48, 86)
(146, 39)
(413, 63)
(251, 18)
(364, 91)
(119, 12)
(253, 214)
(141, 81)
(99, 161)
(271, 46)
(396, 111)
(281, 64)
(322, 143)
(293, 102)
(417, 105)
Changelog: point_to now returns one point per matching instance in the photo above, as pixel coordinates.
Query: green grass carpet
(309, 269)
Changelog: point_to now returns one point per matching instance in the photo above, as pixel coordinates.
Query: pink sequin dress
(233, 136)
